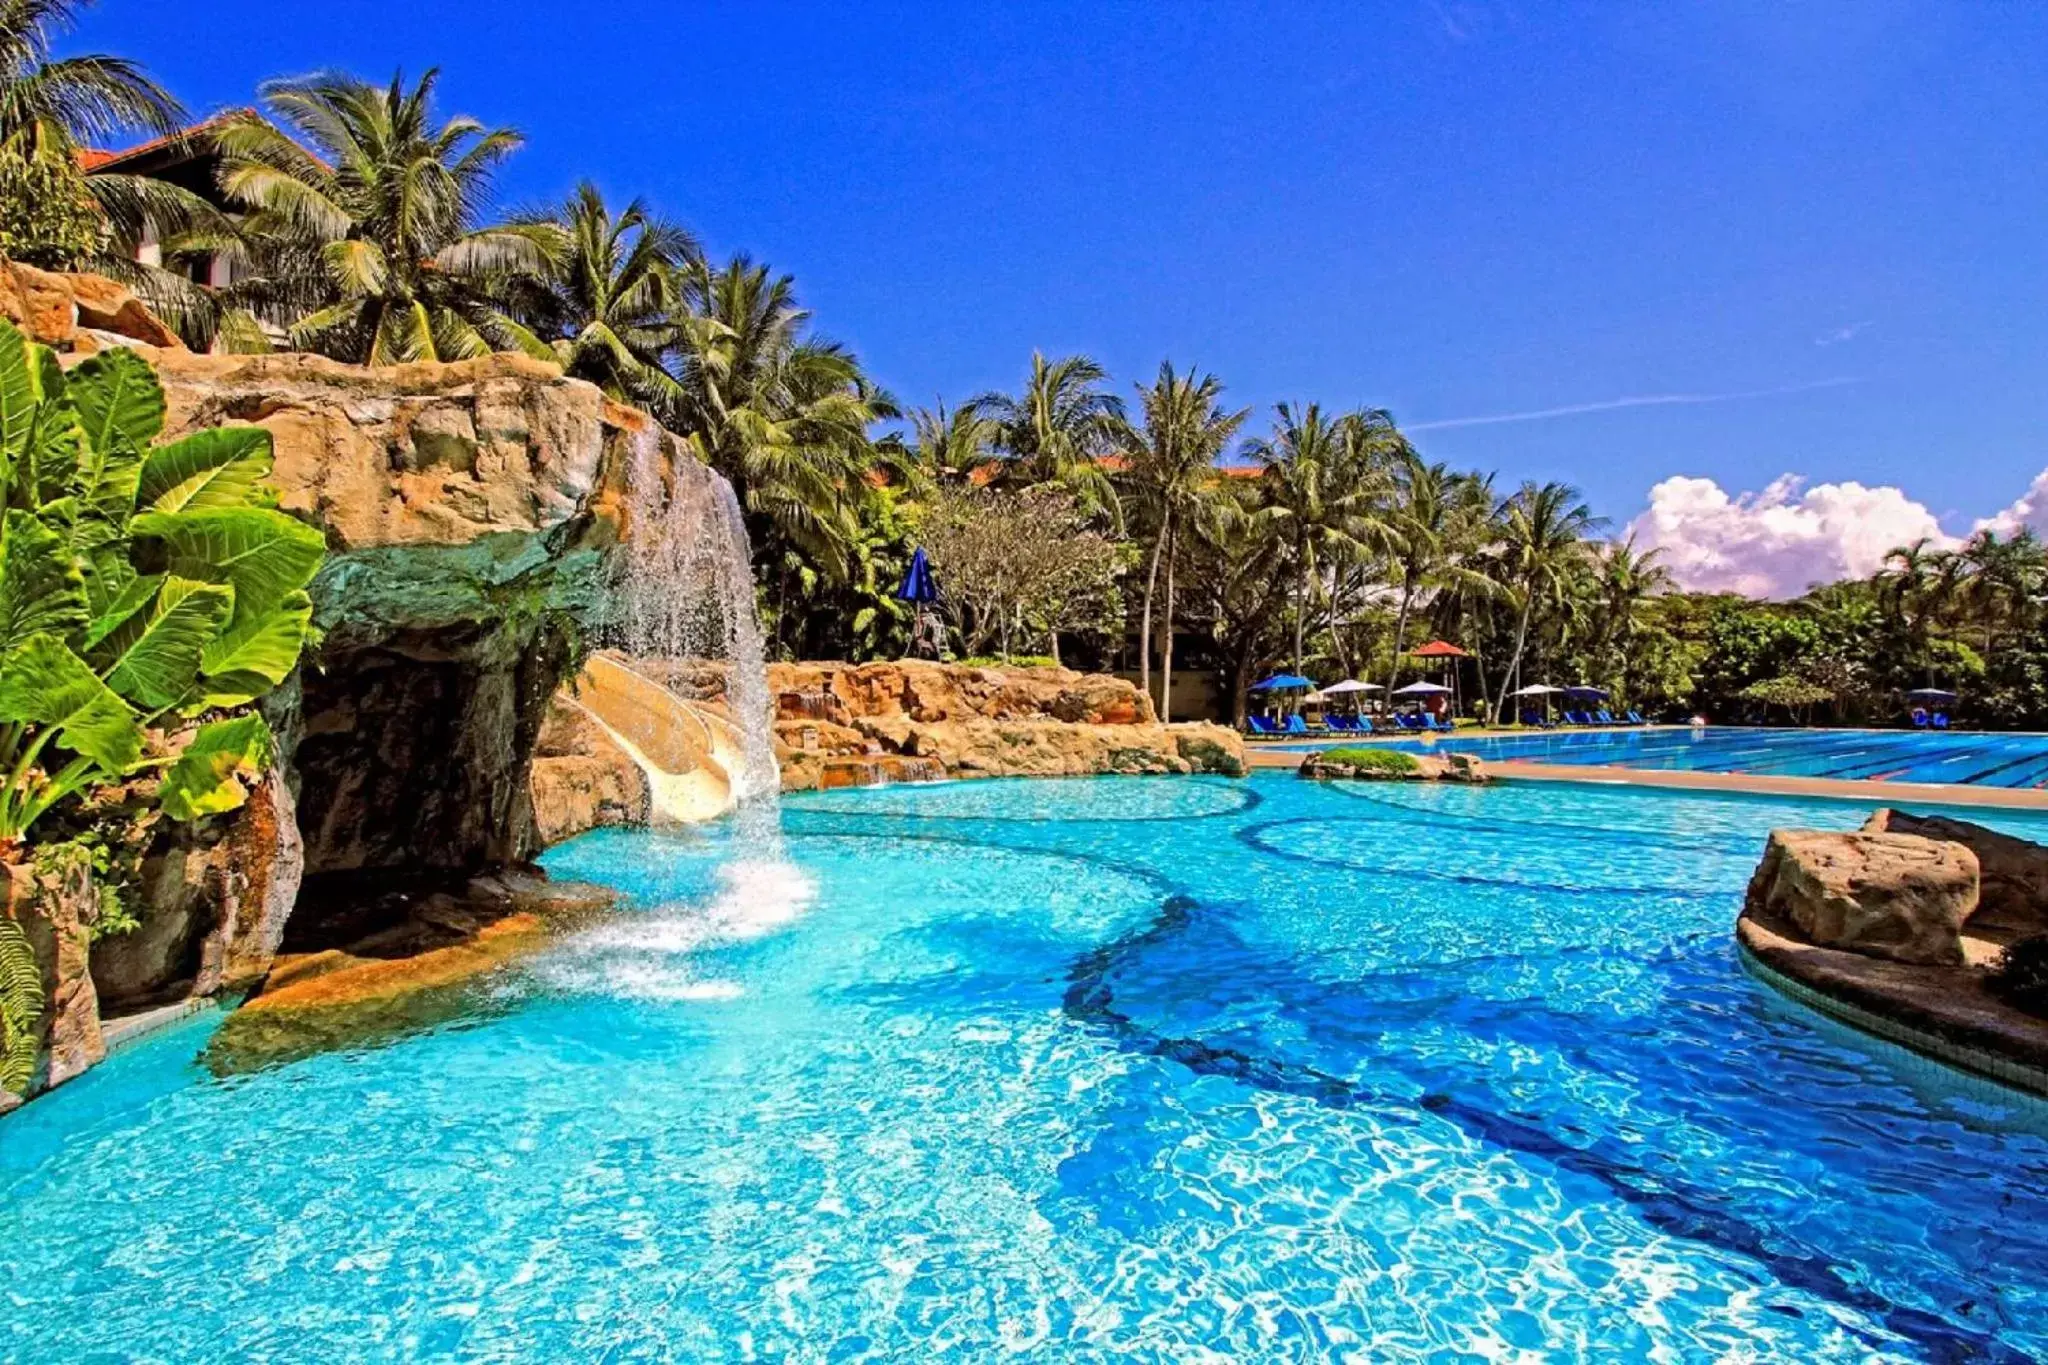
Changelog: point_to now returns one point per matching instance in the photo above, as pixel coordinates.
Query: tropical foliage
(147, 593)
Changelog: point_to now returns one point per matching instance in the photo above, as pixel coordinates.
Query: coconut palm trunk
(1515, 660)
(1166, 643)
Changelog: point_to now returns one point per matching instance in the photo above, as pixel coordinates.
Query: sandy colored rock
(52, 308)
(55, 906)
(1893, 896)
(925, 691)
(2013, 874)
(215, 895)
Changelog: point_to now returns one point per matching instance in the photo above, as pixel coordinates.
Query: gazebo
(1450, 654)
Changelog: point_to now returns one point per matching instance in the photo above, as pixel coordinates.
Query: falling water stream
(682, 598)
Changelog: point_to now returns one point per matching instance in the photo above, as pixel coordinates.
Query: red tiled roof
(97, 158)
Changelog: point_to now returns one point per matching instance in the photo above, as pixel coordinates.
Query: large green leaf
(18, 396)
(210, 776)
(120, 609)
(43, 683)
(41, 590)
(255, 654)
(160, 666)
(219, 467)
(119, 402)
(265, 555)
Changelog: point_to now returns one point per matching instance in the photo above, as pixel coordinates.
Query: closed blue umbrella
(918, 585)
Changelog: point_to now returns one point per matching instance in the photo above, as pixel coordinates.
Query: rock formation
(1884, 895)
(78, 313)
(2013, 895)
(1420, 768)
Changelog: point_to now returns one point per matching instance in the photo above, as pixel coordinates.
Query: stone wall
(856, 725)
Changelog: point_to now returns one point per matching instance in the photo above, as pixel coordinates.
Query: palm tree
(949, 444)
(1323, 478)
(63, 104)
(370, 221)
(52, 212)
(1543, 532)
(784, 416)
(1428, 540)
(1624, 579)
(1172, 475)
(608, 300)
(1058, 430)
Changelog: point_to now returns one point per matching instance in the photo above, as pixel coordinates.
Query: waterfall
(683, 593)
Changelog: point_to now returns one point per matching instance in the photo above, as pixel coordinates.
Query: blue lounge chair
(1362, 725)
(1537, 720)
(1259, 725)
(1636, 718)
(1605, 716)
(1919, 718)
(1940, 720)
(1344, 725)
(1442, 727)
(1409, 722)
(1577, 718)
(1296, 725)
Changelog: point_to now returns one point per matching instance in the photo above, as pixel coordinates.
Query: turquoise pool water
(1164, 1069)
(1993, 760)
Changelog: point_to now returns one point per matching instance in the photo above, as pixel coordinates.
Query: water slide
(690, 755)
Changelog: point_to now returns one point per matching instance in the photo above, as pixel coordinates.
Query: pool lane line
(1672, 1208)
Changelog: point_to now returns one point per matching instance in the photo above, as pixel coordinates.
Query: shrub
(1391, 762)
(2021, 976)
(147, 592)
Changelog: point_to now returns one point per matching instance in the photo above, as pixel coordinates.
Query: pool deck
(1748, 784)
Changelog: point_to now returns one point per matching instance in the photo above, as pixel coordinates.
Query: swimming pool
(1134, 1069)
(1994, 760)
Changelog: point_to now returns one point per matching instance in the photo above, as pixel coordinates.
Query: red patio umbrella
(1445, 650)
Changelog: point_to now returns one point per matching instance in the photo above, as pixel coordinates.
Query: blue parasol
(918, 586)
(1282, 682)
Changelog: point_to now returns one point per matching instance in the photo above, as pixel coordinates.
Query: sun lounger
(1636, 718)
(1604, 716)
(1919, 718)
(1296, 726)
(1259, 725)
(1342, 725)
(1442, 727)
(1940, 720)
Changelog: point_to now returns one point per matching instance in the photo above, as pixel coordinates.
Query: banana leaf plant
(148, 592)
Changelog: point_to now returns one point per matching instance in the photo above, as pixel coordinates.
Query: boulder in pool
(2012, 873)
(1895, 896)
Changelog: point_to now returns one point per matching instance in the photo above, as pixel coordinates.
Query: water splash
(683, 612)
(683, 594)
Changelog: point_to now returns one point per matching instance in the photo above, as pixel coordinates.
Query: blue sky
(1453, 210)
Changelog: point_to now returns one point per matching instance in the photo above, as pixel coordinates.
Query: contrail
(1651, 400)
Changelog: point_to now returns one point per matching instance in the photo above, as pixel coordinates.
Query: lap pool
(1132, 1069)
(1978, 759)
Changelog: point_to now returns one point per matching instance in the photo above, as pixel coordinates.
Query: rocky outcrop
(926, 692)
(409, 970)
(581, 778)
(836, 721)
(2013, 874)
(1396, 766)
(468, 509)
(54, 902)
(217, 895)
(1883, 895)
(78, 313)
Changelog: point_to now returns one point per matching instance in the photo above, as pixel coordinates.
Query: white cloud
(1837, 335)
(1782, 540)
(2030, 509)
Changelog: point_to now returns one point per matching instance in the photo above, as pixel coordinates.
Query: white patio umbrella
(1421, 689)
(1351, 685)
(1537, 690)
